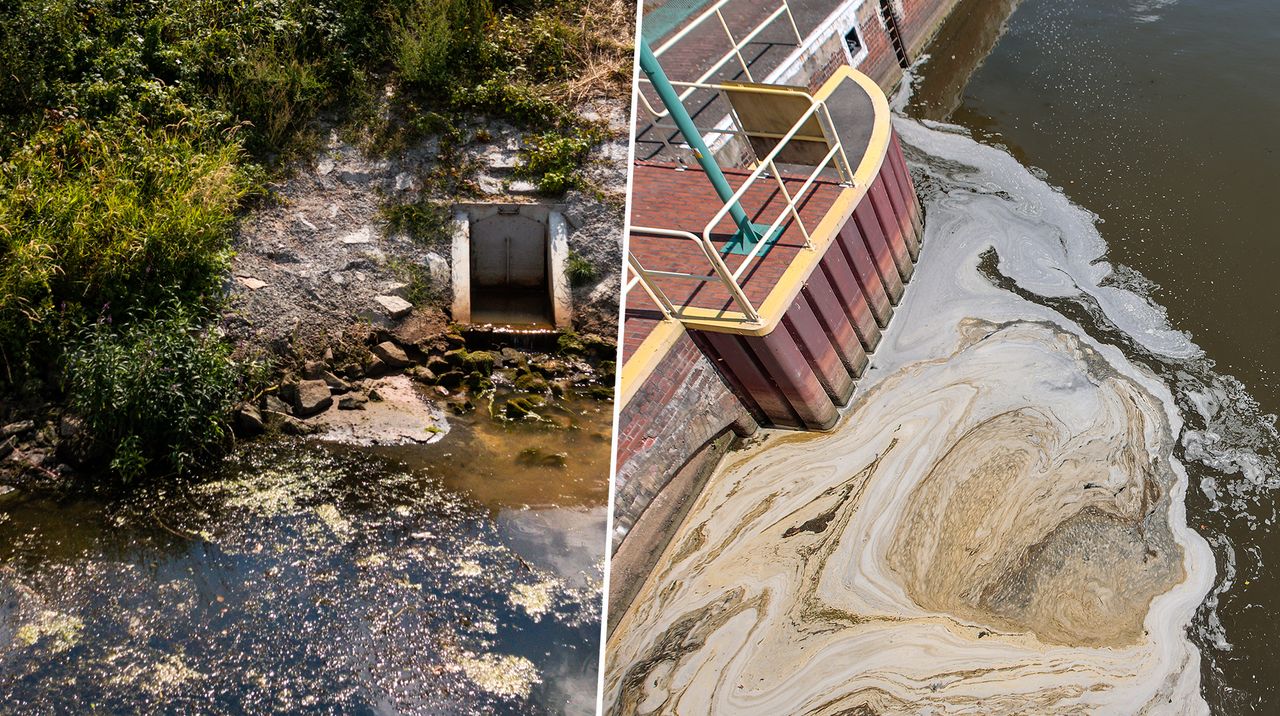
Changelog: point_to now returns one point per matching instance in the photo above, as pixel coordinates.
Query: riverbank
(280, 474)
(258, 221)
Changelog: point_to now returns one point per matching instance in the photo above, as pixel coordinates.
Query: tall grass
(522, 61)
(277, 90)
(434, 41)
(95, 223)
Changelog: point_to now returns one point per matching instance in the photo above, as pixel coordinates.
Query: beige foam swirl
(999, 530)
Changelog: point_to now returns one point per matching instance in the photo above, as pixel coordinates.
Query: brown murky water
(1160, 116)
(457, 577)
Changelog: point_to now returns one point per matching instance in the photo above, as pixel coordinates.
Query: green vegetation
(421, 289)
(96, 222)
(552, 159)
(580, 271)
(425, 220)
(153, 395)
(527, 62)
(569, 343)
(134, 133)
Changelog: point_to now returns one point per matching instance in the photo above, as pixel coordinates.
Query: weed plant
(153, 395)
(579, 270)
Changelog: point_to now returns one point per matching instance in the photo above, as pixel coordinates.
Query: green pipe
(667, 93)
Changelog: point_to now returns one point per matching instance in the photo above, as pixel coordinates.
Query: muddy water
(1160, 117)
(457, 577)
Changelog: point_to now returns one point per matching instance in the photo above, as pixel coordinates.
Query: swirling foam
(998, 524)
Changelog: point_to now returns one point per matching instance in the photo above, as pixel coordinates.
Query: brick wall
(681, 407)
(881, 64)
(685, 403)
(921, 20)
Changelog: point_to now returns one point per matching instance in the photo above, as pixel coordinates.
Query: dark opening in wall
(892, 25)
(853, 42)
(508, 266)
(509, 280)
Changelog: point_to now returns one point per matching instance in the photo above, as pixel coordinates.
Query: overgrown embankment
(138, 136)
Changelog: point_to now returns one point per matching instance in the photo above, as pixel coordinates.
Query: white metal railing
(767, 167)
(645, 277)
(735, 51)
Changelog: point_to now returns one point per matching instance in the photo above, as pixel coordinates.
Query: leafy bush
(552, 159)
(154, 396)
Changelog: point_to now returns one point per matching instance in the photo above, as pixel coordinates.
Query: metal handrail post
(653, 70)
(658, 295)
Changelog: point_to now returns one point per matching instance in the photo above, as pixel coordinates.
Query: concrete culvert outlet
(509, 266)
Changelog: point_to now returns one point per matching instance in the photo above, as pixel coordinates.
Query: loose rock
(438, 365)
(313, 397)
(452, 379)
(355, 401)
(292, 426)
(394, 306)
(479, 362)
(249, 421)
(314, 370)
(531, 383)
(438, 268)
(337, 385)
(455, 340)
(363, 235)
(391, 354)
(17, 428)
(273, 404)
(69, 427)
(456, 357)
(421, 374)
(302, 226)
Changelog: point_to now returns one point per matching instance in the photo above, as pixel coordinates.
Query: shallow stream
(461, 576)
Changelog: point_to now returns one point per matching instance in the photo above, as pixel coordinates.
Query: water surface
(457, 577)
(1160, 117)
